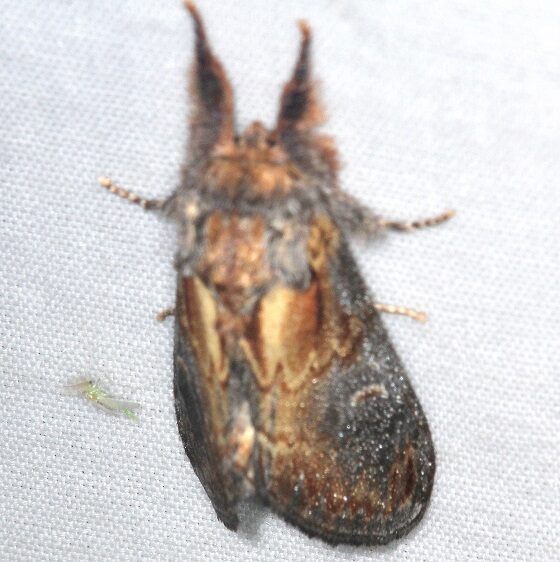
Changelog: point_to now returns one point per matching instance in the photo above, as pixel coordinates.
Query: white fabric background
(434, 105)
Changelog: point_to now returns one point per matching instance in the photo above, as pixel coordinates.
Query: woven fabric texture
(434, 105)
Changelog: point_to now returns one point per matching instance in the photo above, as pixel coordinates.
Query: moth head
(256, 136)
(272, 158)
(254, 162)
(255, 144)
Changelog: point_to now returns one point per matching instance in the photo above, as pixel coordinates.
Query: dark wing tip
(212, 120)
(190, 6)
(228, 518)
(299, 108)
(305, 31)
(201, 41)
(301, 72)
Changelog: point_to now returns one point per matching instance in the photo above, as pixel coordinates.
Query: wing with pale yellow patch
(296, 395)
(343, 447)
(201, 400)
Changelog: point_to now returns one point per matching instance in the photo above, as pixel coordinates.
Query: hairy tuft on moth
(287, 387)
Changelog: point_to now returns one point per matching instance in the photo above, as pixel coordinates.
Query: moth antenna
(299, 106)
(212, 120)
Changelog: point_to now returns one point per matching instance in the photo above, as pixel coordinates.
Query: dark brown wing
(344, 449)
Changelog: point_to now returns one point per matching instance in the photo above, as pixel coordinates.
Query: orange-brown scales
(255, 161)
(287, 387)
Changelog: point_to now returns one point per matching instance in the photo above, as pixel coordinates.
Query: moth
(287, 387)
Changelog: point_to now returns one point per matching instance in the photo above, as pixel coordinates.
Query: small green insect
(92, 391)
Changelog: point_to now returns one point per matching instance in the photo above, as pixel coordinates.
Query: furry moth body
(287, 387)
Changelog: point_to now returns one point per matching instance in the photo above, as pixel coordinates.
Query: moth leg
(165, 313)
(402, 310)
(356, 217)
(147, 204)
(407, 226)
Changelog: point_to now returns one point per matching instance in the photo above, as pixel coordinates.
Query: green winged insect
(99, 397)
